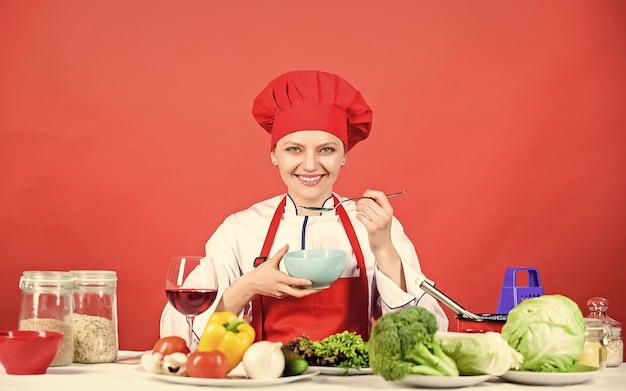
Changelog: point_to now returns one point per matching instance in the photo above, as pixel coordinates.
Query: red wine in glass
(191, 287)
(191, 301)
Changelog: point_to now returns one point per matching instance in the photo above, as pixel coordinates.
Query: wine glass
(191, 287)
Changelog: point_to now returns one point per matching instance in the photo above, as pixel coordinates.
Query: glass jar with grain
(594, 351)
(95, 316)
(47, 304)
(598, 307)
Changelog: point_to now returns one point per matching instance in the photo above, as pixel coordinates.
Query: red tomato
(169, 345)
(211, 364)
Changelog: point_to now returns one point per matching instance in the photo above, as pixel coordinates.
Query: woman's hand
(266, 280)
(376, 215)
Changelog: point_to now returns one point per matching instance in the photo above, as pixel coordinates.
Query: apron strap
(271, 233)
(257, 306)
(354, 241)
(358, 253)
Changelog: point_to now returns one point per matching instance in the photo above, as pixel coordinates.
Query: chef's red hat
(313, 100)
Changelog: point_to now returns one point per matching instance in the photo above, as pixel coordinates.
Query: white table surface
(118, 377)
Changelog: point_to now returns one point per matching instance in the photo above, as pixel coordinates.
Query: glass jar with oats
(95, 316)
(47, 303)
(598, 307)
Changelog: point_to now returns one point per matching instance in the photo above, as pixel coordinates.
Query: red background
(126, 135)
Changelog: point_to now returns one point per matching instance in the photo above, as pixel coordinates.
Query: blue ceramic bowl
(320, 266)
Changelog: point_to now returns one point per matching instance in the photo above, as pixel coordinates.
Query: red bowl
(28, 352)
(487, 322)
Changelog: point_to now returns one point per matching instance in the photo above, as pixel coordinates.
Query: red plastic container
(487, 322)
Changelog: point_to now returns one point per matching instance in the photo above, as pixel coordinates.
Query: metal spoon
(322, 209)
(447, 301)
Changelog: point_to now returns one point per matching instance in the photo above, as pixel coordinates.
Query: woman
(313, 118)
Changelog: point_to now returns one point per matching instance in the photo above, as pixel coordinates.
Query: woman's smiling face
(309, 162)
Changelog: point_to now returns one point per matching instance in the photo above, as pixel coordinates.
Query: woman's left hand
(376, 215)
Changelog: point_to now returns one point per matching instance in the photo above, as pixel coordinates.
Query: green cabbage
(549, 331)
(480, 353)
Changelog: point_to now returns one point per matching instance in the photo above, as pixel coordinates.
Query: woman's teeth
(310, 178)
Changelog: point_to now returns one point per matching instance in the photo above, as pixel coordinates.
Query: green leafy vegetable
(480, 353)
(343, 350)
(404, 342)
(549, 331)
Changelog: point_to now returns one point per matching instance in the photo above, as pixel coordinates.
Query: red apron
(342, 306)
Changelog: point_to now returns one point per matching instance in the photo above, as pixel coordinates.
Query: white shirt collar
(292, 209)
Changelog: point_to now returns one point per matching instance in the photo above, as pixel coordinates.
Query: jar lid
(598, 307)
(46, 279)
(94, 275)
(598, 303)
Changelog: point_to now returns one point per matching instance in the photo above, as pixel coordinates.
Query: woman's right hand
(268, 280)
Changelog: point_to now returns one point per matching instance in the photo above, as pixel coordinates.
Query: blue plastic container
(512, 294)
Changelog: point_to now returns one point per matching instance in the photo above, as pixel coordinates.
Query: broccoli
(404, 343)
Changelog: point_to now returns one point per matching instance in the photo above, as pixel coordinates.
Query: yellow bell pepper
(228, 333)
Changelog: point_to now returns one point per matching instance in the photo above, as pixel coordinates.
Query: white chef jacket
(239, 240)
